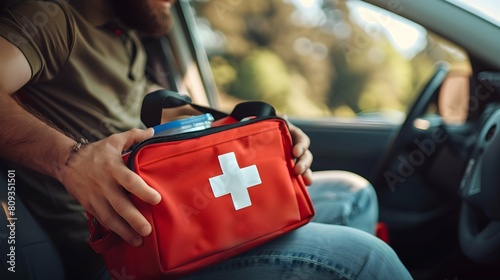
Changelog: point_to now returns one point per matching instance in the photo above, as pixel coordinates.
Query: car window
(487, 9)
(320, 58)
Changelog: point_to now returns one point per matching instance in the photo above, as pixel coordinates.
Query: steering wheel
(479, 229)
(406, 132)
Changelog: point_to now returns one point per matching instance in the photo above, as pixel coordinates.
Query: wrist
(60, 164)
(75, 148)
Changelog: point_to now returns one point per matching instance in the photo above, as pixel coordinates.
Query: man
(78, 71)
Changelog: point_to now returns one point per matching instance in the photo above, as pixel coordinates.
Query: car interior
(435, 173)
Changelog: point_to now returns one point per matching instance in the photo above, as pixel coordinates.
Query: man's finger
(308, 178)
(304, 162)
(301, 142)
(126, 209)
(136, 185)
(106, 215)
(135, 136)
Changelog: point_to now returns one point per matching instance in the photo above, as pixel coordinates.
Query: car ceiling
(451, 22)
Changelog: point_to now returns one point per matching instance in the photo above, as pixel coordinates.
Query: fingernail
(145, 230)
(157, 199)
(299, 168)
(137, 241)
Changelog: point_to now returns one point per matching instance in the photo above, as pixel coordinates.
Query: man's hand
(98, 178)
(301, 151)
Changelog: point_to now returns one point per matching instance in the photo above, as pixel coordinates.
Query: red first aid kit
(225, 190)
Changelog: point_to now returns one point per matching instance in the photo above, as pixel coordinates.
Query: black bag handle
(154, 102)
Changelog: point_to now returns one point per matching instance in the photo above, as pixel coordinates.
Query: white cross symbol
(235, 181)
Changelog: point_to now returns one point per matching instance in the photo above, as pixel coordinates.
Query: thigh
(314, 251)
(344, 198)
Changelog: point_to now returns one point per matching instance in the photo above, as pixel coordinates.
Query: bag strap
(155, 102)
(253, 109)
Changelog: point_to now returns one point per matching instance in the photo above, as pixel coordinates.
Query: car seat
(35, 254)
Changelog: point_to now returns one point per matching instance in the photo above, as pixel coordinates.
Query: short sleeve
(42, 32)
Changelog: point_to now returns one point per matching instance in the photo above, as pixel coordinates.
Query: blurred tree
(262, 76)
(315, 58)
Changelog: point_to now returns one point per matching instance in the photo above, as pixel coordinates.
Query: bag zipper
(190, 135)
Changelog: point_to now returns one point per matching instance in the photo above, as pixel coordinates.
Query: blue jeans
(336, 245)
(344, 198)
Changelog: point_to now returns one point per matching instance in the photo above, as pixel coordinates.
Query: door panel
(353, 146)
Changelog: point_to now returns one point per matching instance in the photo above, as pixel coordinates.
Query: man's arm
(96, 176)
(24, 138)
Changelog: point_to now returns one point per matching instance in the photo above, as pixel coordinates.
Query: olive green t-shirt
(88, 81)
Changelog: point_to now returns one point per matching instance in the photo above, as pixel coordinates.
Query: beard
(148, 17)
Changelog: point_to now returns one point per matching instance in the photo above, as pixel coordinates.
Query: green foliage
(332, 67)
(224, 72)
(261, 76)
